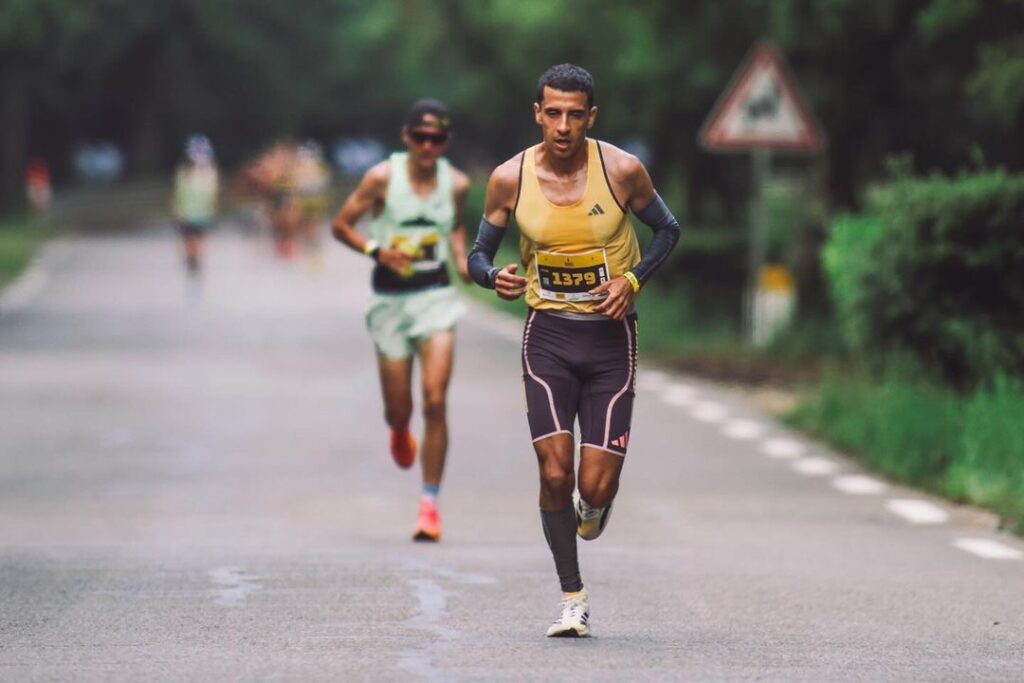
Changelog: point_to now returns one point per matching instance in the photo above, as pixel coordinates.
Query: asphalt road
(196, 487)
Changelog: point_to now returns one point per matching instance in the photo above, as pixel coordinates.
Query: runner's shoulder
(376, 178)
(620, 165)
(504, 182)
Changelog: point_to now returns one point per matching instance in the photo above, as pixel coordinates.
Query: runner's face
(564, 119)
(425, 143)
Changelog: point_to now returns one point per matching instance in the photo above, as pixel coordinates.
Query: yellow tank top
(567, 250)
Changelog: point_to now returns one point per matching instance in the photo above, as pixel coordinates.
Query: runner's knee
(434, 405)
(556, 481)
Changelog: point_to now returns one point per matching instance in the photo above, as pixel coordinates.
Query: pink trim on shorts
(560, 431)
(529, 370)
(602, 448)
(629, 382)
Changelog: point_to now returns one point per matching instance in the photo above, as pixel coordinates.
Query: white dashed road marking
(782, 448)
(709, 411)
(917, 511)
(988, 549)
(815, 467)
(743, 430)
(859, 485)
(234, 585)
(679, 395)
(651, 380)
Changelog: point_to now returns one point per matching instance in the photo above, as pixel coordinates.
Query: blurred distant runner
(196, 184)
(416, 198)
(271, 175)
(312, 179)
(570, 196)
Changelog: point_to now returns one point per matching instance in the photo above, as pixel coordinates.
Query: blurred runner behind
(417, 199)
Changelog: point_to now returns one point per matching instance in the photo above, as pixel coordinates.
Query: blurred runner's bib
(418, 225)
(570, 277)
(422, 246)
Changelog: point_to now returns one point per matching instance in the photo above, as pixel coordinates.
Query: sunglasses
(420, 138)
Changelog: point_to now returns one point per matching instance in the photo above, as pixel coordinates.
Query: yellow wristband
(633, 281)
(370, 247)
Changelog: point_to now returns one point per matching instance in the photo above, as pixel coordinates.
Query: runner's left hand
(620, 297)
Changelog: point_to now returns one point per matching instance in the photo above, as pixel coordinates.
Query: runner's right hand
(396, 260)
(507, 284)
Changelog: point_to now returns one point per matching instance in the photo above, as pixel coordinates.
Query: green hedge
(935, 267)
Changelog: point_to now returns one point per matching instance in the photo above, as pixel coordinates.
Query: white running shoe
(572, 623)
(590, 521)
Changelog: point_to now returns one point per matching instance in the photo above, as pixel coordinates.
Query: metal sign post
(761, 111)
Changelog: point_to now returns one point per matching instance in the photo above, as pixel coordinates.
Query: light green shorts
(399, 322)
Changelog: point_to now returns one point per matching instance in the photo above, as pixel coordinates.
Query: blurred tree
(941, 79)
(35, 36)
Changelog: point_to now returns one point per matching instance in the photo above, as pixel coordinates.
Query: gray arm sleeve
(481, 256)
(658, 218)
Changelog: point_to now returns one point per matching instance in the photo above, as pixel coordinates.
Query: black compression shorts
(584, 369)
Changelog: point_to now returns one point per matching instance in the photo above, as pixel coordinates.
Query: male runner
(569, 196)
(417, 199)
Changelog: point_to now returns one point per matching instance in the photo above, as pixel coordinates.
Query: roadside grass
(20, 236)
(990, 469)
(967, 448)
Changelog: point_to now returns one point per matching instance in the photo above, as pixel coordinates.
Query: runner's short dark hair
(567, 78)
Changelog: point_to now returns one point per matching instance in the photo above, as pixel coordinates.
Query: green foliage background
(941, 79)
(935, 268)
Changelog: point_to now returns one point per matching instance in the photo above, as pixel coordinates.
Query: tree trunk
(14, 132)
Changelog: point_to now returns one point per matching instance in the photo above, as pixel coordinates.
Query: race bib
(423, 247)
(570, 277)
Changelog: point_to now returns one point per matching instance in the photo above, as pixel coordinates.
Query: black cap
(428, 112)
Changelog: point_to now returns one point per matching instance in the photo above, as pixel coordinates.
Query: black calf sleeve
(560, 531)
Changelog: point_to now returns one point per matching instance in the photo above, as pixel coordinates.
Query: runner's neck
(423, 181)
(564, 167)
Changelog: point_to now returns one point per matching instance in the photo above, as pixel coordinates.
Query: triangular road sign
(761, 109)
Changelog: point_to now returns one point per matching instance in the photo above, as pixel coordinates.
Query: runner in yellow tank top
(570, 196)
(570, 249)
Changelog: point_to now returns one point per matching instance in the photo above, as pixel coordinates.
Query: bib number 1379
(570, 277)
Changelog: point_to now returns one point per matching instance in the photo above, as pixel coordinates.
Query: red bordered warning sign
(761, 109)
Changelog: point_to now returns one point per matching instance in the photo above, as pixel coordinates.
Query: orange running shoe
(428, 524)
(403, 448)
